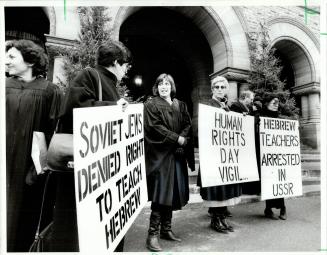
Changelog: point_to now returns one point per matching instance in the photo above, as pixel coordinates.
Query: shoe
(216, 225)
(170, 236)
(225, 224)
(152, 243)
(270, 214)
(228, 213)
(283, 215)
(166, 231)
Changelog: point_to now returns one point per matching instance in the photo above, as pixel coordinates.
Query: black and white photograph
(172, 126)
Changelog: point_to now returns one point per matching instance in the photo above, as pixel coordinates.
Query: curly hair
(32, 54)
(160, 78)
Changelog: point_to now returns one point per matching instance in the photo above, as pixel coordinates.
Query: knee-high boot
(166, 231)
(152, 241)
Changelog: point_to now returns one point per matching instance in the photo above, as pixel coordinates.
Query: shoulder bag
(61, 148)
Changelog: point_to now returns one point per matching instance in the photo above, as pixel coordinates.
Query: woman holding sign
(112, 65)
(167, 126)
(270, 109)
(217, 198)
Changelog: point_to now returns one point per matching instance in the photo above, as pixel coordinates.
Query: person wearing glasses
(168, 150)
(271, 110)
(217, 198)
(113, 60)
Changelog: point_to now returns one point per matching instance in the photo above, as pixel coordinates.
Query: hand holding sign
(226, 147)
(110, 174)
(123, 103)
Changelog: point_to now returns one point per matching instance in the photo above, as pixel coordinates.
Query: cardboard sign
(226, 147)
(280, 158)
(110, 178)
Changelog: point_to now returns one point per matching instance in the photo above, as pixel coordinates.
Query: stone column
(232, 94)
(58, 72)
(305, 108)
(314, 108)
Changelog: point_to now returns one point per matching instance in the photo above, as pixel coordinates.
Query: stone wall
(254, 14)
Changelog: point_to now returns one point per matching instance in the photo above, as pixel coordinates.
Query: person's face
(122, 70)
(15, 64)
(273, 105)
(219, 89)
(248, 101)
(164, 88)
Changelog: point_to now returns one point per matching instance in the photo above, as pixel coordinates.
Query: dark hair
(266, 99)
(160, 78)
(32, 54)
(111, 51)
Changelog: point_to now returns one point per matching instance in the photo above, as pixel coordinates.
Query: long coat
(277, 202)
(164, 123)
(82, 92)
(239, 107)
(218, 193)
(32, 106)
(250, 188)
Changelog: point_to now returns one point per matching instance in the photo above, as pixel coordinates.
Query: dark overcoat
(277, 202)
(250, 188)
(218, 193)
(82, 92)
(163, 124)
(239, 107)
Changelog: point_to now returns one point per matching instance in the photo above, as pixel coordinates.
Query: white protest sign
(110, 178)
(280, 158)
(226, 147)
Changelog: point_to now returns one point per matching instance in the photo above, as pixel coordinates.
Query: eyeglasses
(276, 101)
(219, 87)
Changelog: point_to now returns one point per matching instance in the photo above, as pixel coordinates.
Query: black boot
(216, 224)
(228, 213)
(225, 224)
(152, 242)
(270, 214)
(283, 215)
(165, 231)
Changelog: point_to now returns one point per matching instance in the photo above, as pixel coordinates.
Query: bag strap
(99, 85)
(42, 204)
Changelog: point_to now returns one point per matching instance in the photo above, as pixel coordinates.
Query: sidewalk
(253, 232)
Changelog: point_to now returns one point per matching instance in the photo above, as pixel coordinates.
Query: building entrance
(164, 41)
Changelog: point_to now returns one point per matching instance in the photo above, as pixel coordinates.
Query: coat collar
(106, 73)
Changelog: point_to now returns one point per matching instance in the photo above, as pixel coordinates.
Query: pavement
(253, 232)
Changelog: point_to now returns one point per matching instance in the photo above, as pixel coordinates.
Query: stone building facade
(198, 43)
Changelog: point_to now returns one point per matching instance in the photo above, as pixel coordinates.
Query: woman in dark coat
(270, 109)
(167, 149)
(217, 198)
(247, 104)
(113, 63)
(32, 104)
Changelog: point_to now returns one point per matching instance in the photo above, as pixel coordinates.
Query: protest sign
(280, 158)
(110, 179)
(226, 147)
